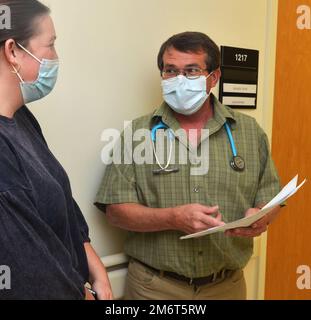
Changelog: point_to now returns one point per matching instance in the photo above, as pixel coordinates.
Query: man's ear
(215, 77)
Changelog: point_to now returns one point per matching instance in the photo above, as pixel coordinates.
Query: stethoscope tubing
(165, 169)
(232, 144)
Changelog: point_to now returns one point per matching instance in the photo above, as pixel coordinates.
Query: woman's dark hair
(23, 20)
(193, 42)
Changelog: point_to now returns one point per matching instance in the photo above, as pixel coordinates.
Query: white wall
(108, 74)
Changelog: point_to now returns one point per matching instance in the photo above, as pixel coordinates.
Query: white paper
(289, 190)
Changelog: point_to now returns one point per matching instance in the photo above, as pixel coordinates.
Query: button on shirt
(233, 191)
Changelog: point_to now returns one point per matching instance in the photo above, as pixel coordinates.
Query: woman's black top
(42, 230)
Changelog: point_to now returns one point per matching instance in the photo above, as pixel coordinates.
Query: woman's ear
(11, 52)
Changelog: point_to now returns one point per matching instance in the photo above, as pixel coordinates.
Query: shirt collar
(222, 114)
(166, 115)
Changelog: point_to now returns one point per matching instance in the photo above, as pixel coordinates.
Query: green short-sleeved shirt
(233, 191)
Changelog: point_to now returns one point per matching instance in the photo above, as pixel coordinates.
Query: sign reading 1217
(240, 58)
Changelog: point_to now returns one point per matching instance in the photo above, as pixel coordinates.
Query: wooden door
(289, 238)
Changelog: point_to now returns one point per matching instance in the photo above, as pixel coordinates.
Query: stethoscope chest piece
(238, 164)
(165, 171)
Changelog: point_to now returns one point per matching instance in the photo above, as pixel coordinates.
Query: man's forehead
(172, 55)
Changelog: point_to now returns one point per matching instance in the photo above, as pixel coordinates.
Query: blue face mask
(47, 77)
(185, 96)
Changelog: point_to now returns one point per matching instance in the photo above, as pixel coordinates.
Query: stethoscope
(163, 170)
(237, 163)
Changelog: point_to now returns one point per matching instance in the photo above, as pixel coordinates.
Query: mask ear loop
(212, 73)
(27, 51)
(19, 67)
(17, 73)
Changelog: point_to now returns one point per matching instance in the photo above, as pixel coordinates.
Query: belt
(190, 281)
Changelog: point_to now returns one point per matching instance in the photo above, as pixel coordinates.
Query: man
(158, 209)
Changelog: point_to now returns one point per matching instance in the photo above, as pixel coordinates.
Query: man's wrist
(172, 218)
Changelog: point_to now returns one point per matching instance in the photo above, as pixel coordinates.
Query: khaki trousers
(145, 284)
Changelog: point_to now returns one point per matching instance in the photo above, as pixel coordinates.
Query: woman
(43, 235)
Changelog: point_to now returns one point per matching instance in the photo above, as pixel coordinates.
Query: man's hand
(258, 227)
(193, 218)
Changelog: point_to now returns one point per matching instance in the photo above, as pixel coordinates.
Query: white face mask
(45, 82)
(185, 96)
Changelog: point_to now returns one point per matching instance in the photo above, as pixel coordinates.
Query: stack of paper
(290, 189)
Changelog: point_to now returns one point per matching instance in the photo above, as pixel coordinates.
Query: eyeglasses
(190, 73)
